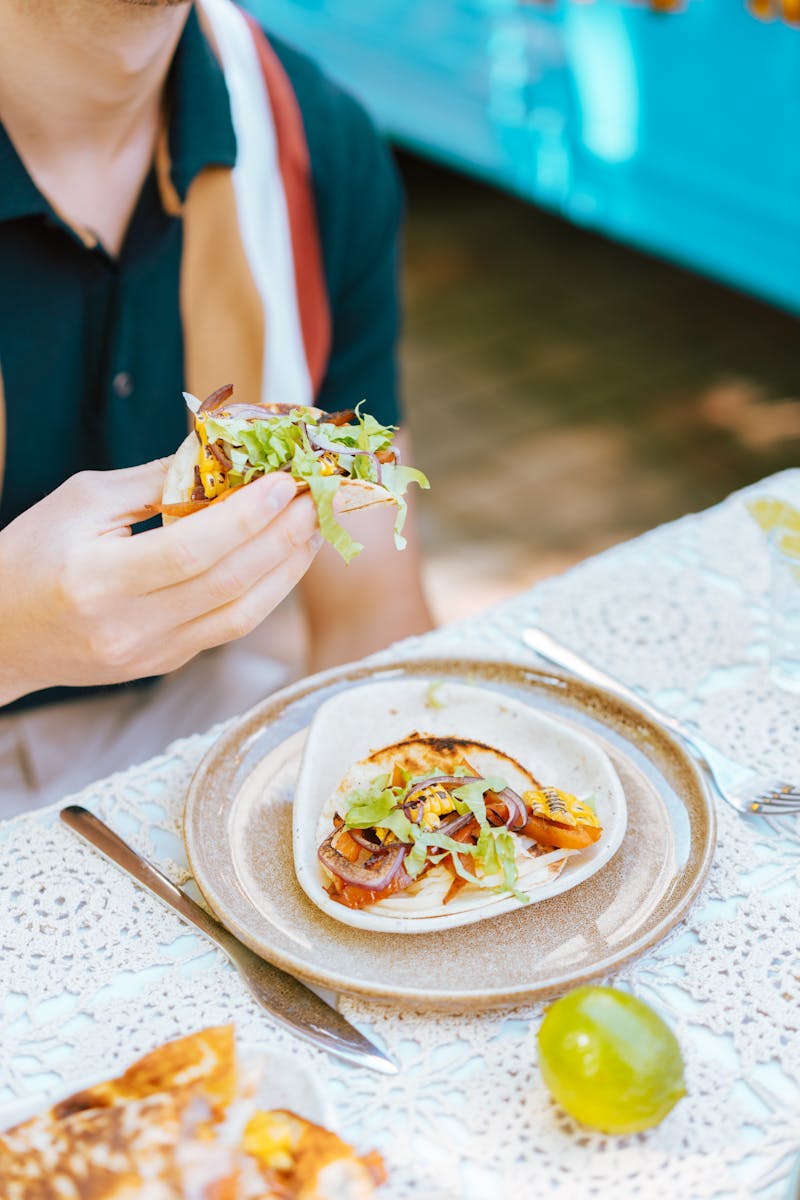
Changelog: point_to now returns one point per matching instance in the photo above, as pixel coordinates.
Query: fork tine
(773, 808)
(780, 794)
(765, 796)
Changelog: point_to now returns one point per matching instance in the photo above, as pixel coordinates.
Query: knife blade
(288, 1001)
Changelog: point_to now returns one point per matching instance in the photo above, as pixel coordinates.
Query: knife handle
(289, 1002)
(256, 971)
(109, 843)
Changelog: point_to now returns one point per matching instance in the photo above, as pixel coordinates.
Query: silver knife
(288, 1001)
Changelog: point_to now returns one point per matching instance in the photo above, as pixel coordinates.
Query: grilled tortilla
(170, 1127)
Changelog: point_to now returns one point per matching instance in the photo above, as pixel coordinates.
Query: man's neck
(81, 96)
(77, 69)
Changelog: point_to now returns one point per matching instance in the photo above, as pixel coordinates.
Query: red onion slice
(321, 443)
(241, 411)
(516, 812)
(452, 824)
(448, 781)
(360, 838)
(375, 879)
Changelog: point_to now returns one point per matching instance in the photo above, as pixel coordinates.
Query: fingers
(136, 488)
(162, 558)
(292, 530)
(112, 500)
(241, 616)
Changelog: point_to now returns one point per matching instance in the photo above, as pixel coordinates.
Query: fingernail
(316, 539)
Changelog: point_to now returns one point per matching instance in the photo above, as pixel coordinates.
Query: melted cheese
(211, 476)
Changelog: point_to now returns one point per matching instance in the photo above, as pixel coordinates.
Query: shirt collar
(19, 195)
(200, 132)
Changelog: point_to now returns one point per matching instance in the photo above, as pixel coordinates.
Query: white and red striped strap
(275, 206)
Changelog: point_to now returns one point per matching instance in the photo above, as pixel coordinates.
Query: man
(182, 204)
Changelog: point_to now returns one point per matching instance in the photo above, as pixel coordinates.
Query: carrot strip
(184, 508)
(566, 837)
(348, 846)
(353, 896)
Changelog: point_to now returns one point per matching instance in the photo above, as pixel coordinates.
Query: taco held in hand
(346, 457)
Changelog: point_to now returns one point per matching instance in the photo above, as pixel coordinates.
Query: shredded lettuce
(281, 443)
(470, 797)
(432, 697)
(379, 805)
(495, 846)
(504, 852)
(396, 478)
(416, 858)
(369, 806)
(323, 489)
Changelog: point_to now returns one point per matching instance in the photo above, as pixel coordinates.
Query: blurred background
(602, 273)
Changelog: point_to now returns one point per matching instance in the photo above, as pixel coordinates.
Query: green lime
(609, 1060)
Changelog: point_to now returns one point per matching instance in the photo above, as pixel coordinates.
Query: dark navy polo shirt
(91, 347)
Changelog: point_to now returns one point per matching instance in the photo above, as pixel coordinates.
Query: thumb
(124, 495)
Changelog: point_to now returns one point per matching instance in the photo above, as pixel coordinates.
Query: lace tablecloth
(94, 971)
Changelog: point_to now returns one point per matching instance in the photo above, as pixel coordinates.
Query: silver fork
(746, 793)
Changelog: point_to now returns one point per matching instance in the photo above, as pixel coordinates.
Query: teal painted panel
(677, 133)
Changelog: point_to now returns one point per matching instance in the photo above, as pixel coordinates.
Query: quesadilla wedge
(184, 1121)
(346, 460)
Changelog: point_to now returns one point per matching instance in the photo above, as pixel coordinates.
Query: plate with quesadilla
(243, 826)
(190, 1118)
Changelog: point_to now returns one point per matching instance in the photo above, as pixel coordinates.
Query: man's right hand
(84, 602)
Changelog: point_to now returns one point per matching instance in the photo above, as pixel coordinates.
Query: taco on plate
(436, 823)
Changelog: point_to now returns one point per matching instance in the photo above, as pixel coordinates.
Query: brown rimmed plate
(240, 852)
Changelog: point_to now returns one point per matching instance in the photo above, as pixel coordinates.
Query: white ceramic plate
(238, 829)
(352, 725)
(285, 1083)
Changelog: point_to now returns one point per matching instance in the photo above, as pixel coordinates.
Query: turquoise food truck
(670, 126)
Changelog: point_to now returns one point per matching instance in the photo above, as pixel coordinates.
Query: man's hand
(83, 602)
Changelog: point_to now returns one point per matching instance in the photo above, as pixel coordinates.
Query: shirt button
(122, 384)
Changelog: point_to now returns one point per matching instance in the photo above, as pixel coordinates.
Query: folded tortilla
(424, 755)
(179, 483)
